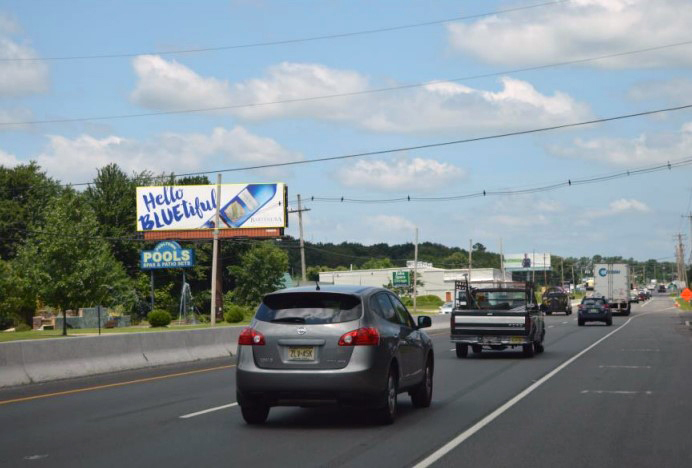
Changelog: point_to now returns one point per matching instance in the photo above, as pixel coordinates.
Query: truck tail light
(360, 337)
(251, 337)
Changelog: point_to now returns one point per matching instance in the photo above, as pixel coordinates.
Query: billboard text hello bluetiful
(167, 207)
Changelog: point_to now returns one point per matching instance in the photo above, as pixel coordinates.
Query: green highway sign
(400, 278)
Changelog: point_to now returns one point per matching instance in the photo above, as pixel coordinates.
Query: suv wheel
(388, 409)
(462, 350)
(421, 396)
(254, 413)
(580, 322)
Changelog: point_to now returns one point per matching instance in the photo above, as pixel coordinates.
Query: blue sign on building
(167, 254)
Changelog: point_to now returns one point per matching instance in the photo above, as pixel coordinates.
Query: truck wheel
(580, 322)
(528, 350)
(462, 350)
(609, 321)
(549, 313)
(628, 310)
(477, 349)
(539, 347)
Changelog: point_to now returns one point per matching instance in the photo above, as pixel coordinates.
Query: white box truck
(612, 281)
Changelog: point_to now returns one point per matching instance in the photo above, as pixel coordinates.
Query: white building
(437, 281)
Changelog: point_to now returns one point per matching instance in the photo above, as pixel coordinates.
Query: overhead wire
(339, 95)
(286, 41)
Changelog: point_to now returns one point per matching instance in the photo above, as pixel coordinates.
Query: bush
(429, 300)
(158, 318)
(233, 313)
(22, 327)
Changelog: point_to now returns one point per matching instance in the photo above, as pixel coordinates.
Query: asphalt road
(620, 401)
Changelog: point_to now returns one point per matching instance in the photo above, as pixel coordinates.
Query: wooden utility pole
(415, 272)
(215, 252)
(470, 260)
(302, 245)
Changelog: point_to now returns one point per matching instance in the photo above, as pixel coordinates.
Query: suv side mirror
(424, 321)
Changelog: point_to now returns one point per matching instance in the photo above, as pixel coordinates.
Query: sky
(85, 84)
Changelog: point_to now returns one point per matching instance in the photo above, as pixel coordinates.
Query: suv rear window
(593, 302)
(311, 308)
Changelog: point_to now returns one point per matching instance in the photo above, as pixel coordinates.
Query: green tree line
(62, 248)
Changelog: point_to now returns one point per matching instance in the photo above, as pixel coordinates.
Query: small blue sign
(167, 254)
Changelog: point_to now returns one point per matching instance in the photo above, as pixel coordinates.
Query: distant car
(350, 345)
(661, 288)
(634, 296)
(447, 308)
(594, 309)
(556, 300)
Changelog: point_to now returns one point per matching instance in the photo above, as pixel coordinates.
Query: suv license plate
(516, 339)
(301, 353)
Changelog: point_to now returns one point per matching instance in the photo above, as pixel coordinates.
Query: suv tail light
(360, 337)
(251, 337)
(606, 306)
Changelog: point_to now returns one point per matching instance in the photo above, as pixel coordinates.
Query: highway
(599, 397)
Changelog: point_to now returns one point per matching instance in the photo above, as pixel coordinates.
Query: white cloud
(389, 223)
(644, 149)
(402, 175)
(18, 78)
(14, 115)
(580, 29)
(8, 160)
(675, 90)
(440, 107)
(619, 207)
(76, 160)
(519, 221)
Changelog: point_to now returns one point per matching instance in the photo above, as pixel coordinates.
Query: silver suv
(349, 345)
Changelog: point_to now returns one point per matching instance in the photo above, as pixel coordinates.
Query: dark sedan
(348, 345)
(594, 309)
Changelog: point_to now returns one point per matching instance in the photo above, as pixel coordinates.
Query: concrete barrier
(23, 362)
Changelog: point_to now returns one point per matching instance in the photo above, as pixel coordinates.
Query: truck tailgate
(489, 323)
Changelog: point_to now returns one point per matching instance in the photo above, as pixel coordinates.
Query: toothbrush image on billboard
(248, 202)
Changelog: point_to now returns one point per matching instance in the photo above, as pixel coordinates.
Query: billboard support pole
(470, 259)
(215, 248)
(152, 289)
(415, 273)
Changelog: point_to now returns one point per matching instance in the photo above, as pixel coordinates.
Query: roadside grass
(74, 332)
(684, 305)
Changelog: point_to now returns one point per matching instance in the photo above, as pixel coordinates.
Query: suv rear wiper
(289, 320)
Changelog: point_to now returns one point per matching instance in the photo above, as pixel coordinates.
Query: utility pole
(415, 272)
(545, 272)
(502, 261)
(215, 251)
(470, 260)
(302, 245)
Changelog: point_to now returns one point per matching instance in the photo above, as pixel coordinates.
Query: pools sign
(167, 254)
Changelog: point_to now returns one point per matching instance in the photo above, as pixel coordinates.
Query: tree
(24, 193)
(260, 271)
(68, 263)
(377, 263)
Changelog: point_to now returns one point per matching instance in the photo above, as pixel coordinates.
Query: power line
(286, 41)
(437, 145)
(338, 95)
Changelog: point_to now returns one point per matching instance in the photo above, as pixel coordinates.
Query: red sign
(686, 294)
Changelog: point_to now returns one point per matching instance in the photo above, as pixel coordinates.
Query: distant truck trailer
(612, 281)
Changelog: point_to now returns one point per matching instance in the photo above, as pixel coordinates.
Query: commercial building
(436, 281)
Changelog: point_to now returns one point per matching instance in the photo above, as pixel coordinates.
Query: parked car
(594, 309)
(348, 345)
(447, 308)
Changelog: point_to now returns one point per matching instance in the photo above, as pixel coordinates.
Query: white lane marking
(647, 350)
(551, 326)
(210, 410)
(624, 367)
(617, 392)
(564, 322)
(453, 349)
(459, 439)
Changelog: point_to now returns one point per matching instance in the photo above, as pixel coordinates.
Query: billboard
(193, 207)
(528, 261)
(167, 254)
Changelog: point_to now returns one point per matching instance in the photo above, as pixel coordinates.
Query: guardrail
(23, 362)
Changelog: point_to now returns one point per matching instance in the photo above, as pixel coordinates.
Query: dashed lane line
(210, 410)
